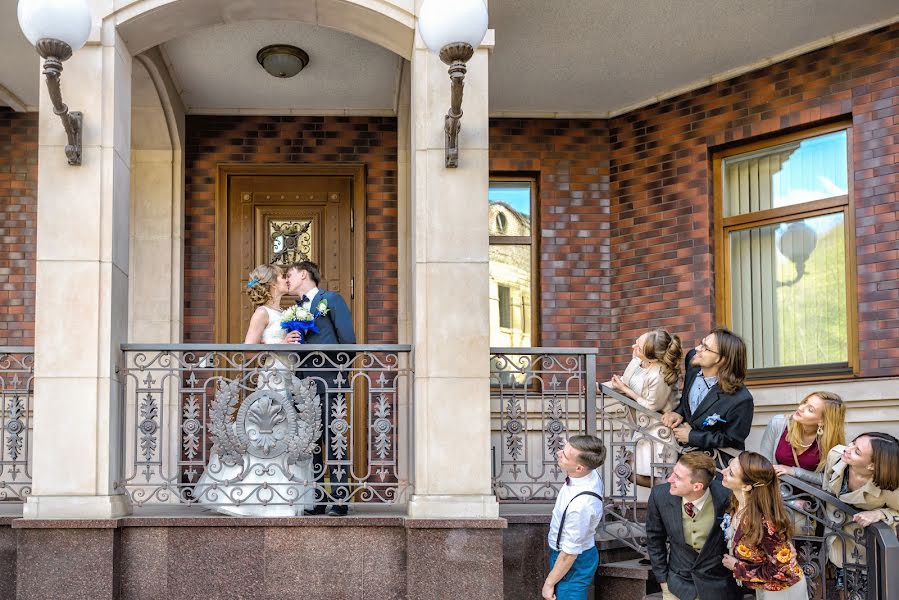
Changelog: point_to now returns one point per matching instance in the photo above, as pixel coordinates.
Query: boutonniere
(712, 419)
(322, 307)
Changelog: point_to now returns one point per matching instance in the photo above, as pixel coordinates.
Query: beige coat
(656, 394)
(867, 497)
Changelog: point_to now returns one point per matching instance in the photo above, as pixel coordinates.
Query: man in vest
(684, 535)
(573, 556)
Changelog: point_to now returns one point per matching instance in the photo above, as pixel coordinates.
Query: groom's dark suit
(335, 327)
(688, 573)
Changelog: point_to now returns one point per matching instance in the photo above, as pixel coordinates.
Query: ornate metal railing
(242, 428)
(16, 393)
(537, 397)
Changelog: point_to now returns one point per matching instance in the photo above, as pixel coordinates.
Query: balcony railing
(236, 426)
(16, 393)
(542, 395)
(538, 396)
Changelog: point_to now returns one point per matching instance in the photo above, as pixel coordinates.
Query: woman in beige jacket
(864, 474)
(651, 380)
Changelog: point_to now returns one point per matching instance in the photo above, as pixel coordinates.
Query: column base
(453, 507)
(76, 507)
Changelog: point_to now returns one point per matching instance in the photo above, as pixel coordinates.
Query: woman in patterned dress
(759, 532)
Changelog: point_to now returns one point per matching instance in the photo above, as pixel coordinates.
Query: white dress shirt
(311, 295)
(584, 514)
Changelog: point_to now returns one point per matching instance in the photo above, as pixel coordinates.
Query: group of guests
(716, 530)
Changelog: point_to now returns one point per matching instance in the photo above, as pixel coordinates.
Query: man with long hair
(683, 533)
(715, 409)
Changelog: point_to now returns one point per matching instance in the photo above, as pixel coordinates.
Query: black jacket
(734, 412)
(689, 574)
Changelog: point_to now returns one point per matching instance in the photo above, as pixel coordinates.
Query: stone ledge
(65, 523)
(454, 523)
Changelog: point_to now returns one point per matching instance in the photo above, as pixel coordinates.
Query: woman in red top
(797, 444)
(759, 532)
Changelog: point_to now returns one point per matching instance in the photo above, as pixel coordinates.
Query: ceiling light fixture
(282, 60)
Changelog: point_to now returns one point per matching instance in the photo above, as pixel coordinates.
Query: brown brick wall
(260, 139)
(570, 159)
(661, 186)
(18, 211)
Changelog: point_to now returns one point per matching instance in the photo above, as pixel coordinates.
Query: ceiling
(595, 58)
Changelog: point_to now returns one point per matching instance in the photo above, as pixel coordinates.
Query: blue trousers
(579, 577)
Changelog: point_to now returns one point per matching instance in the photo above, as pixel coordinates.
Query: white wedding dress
(261, 486)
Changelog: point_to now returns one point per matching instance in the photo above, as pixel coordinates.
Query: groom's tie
(303, 301)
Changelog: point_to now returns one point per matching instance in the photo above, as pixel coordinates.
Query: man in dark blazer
(716, 409)
(684, 536)
(335, 325)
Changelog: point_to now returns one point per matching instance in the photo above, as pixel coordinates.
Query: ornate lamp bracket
(54, 52)
(455, 55)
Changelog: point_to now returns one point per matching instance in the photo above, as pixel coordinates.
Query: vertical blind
(787, 279)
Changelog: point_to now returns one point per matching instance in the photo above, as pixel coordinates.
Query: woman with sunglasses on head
(759, 531)
(798, 444)
(864, 474)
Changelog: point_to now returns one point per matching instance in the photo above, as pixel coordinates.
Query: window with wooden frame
(784, 260)
(513, 284)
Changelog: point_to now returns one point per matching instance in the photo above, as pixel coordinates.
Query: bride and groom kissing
(246, 479)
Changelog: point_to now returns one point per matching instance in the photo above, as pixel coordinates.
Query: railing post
(590, 398)
(883, 562)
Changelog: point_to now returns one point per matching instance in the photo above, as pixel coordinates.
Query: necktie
(689, 509)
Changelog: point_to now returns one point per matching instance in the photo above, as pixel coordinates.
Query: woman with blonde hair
(797, 444)
(759, 530)
(651, 380)
(247, 483)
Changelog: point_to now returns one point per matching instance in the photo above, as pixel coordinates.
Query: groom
(335, 325)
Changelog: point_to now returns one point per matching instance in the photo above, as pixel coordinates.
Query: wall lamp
(57, 28)
(453, 30)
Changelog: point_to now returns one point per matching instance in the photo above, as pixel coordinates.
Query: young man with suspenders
(573, 556)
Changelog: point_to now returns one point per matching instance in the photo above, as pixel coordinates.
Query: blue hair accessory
(252, 282)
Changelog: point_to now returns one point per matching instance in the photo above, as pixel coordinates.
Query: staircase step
(625, 569)
(656, 596)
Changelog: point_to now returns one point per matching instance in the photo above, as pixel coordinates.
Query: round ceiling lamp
(282, 60)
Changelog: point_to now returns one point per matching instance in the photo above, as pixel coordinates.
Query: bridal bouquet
(299, 318)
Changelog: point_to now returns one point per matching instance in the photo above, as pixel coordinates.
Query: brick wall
(570, 159)
(260, 139)
(661, 186)
(18, 208)
(626, 220)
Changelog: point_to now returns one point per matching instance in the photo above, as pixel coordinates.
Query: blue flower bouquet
(298, 318)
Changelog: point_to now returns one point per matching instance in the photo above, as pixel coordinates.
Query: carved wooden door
(281, 219)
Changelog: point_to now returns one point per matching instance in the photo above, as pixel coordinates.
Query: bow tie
(568, 481)
(304, 300)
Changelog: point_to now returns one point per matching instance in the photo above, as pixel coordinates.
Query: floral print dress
(770, 567)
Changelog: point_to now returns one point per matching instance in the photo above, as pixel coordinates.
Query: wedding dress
(260, 463)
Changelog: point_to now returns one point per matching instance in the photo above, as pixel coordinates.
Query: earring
(820, 431)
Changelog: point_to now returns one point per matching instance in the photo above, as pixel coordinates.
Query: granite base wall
(219, 558)
(8, 554)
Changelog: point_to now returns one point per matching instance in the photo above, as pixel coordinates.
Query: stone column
(451, 320)
(81, 301)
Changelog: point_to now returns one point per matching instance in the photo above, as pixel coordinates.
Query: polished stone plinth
(210, 557)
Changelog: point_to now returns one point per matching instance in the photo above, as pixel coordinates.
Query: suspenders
(565, 512)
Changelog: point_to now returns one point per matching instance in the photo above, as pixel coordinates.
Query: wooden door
(281, 219)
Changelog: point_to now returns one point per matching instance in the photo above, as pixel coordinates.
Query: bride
(260, 463)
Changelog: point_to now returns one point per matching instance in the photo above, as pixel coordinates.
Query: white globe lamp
(453, 29)
(57, 28)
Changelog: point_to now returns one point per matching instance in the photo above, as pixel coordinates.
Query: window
(784, 265)
(512, 252)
